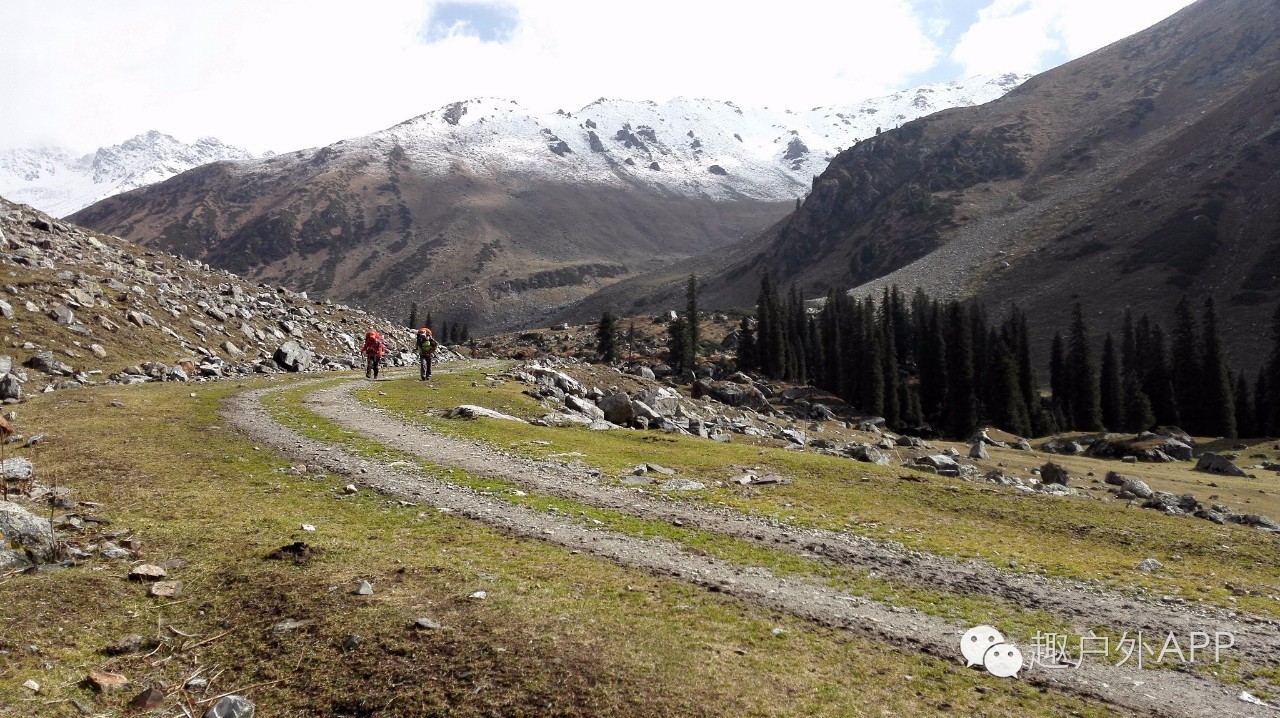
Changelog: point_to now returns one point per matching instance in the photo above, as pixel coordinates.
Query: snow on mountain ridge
(50, 179)
(698, 147)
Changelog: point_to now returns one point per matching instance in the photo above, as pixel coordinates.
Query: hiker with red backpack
(427, 346)
(373, 350)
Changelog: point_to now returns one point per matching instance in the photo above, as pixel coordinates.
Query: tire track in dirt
(1157, 692)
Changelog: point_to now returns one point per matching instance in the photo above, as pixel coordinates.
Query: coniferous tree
(961, 406)
(1082, 377)
(747, 359)
(413, 315)
(607, 338)
(465, 334)
(444, 332)
(1006, 407)
(1138, 415)
(1271, 407)
(771, 342)
(678, 345)
(1186, 372)
(429, 323)
(1110, 387)
(1261, 408)
(1157, 381)
(1217, 392)
(1244, 408)
(1026, 373)
(691, 315)
(933, 365)
(1058, 375)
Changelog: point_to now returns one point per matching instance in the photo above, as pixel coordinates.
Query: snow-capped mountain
(684, 147)
(53, 181)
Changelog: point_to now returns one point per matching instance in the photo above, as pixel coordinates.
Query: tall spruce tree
(1058, 376)
(607, 338)
(1217, 400)
(1138, 416)
(1110, 387)
(1006, 407)
(413, 315)
(1245, 414)
(1186, 373)
(1082, 377)
(1271, 406)
(961, 404)
(678, 346)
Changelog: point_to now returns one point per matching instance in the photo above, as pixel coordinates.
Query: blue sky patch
(487, 22)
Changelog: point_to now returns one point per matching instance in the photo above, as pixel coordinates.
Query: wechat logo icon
(985, 646)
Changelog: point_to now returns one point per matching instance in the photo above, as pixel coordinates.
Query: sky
(281, 75)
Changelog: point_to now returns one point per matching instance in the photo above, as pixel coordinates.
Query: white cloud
(1030, 35)
(286, 74)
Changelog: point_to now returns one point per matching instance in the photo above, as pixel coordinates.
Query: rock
(912, 442)
(1065, 447)
(166, 589)
(867, 453)
(1114, 479)
(795, 436)
(230, 707)
(24, 537)
(1137, 488)
(939, 462)
(1022, 445)
(681, 485)
(147, 572)
(1149, 564)
(426, 624)
(617, 408)
(658, 469)
(583, 406)
(351, 642)
(736, 395)
(291, 356)
(287, 625)
(1172, 504)
(1254, 520)
(1213, 464)
(821, 412)
(10, 388)
(1051, 473)
(107, 682)
(350, 489)
(31, 685)
(150, 699)
(131, 643)
(364, 588)
(979, 451)
(471, 411)
(478, 595)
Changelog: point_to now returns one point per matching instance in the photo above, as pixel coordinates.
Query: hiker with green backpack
(427, 346)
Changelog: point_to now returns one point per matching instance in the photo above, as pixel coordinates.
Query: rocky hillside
(1131, 176)
(83, 308)
(52, 180)
(485, 213)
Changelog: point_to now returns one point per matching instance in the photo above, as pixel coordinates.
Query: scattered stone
(426, 624)
(230, 707)
(979, 451)
(31, 685)
(166, 589)
(658, 469)
(26, 537)
(1149, 564)
(681, 485)
(470, 411)
(350, 489)
(478, 595)
(1214, 464)
(1137, 487)
(131, 643)
(1051, 473)
(107, 682)
(147, 572)
(364, 588)
(287, 625)
(149, 699)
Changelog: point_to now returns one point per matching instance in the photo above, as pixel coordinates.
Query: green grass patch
(1074, 538)
(559, 634)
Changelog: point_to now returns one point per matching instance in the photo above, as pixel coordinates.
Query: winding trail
(1157, 692)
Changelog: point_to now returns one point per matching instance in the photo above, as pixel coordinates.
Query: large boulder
(291, 356)
(1214, 464)
(471, 411)
(660, 399)
(727, 392)
(583, 406)
(1051, 473)
(1066, 447)
(617, 408)
(867, 453)
(979, 451)
(24, 537)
